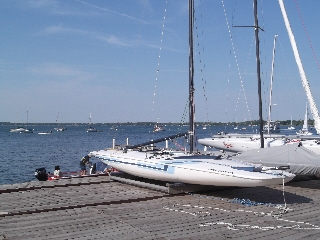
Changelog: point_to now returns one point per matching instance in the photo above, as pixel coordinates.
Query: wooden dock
(100, 208)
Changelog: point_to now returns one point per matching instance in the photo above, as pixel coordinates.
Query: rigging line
(236, 59)
(183, 118)
(155, 87)
(293, 101)
(134, 57)
(202, 67)
(242, 89)
(228, 86)
(305, 29)
(244, 74)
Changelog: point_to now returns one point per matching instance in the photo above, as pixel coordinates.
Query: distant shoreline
(247, 123)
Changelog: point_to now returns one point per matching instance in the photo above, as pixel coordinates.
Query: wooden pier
(101, 208)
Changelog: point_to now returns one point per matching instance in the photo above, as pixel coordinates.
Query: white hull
(234, 144)
(312, 145)
(159, 129)
(304, 133)
(61, 129)
(246, 144)
(191, 169)
(21, 130)
(17, 129)
(92, 130)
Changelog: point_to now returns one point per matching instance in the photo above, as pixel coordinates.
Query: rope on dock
(204, 213)
(246, 202)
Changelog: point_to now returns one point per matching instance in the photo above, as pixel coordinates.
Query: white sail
(305, 83)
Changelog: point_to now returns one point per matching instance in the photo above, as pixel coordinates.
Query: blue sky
(78, 57)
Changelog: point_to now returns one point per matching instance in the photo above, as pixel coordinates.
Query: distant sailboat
(17, 129)
(22, 129)
(291, 127)
(158, 128)
(305, 131)
(91, 129)
(59, 129)
(27, 130)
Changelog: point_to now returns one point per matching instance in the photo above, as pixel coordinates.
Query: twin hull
(233, 144)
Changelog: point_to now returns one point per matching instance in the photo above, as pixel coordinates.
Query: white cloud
(64, 30)
(108, 10)
(114, 40)
(111, 39)
(42, 3)
(60, 70)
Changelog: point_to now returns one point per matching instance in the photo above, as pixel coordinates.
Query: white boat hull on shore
(191, 169)
(234, 144)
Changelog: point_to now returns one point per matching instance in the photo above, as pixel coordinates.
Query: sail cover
(300, 159)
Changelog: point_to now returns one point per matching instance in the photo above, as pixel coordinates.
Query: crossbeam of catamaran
(158, 140)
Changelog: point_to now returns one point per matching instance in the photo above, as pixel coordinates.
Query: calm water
(23, 153)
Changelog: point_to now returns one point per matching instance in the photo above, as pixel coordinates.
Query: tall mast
(303, 76)
(272, 67)
(256, 27)
(191, 85)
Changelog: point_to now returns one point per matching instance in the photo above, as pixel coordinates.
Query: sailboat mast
(191, 71)
(272, 67)
(256, 26)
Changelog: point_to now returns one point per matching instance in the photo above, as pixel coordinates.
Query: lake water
(22, 153)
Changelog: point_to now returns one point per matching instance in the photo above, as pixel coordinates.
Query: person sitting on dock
(83, 162)
(57, 172)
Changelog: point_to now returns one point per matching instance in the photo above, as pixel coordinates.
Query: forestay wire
(202, 65)
(134, 57)
(158, 66)
(307, 34)
(236, 59)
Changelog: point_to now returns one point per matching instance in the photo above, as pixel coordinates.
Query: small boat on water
(158, 128)
(272, 127)
(291, 127)
(60, 129)
(17, 129)
(92, 129)
(22, 129)
(45, 133)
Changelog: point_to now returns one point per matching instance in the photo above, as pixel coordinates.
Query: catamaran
(302, 156)
(144, 160)
(241, 143)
